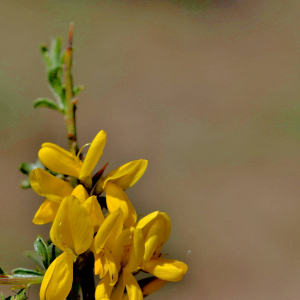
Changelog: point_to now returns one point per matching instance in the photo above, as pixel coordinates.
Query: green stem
(70, 107)
(20, 281)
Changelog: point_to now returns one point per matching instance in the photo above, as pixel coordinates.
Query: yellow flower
(156, 228)
(103, 242)
(114, 184)
(59, 160)
(54, 190)
(72, 231)
(127, 252)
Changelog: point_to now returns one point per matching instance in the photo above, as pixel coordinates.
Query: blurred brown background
(208, 92)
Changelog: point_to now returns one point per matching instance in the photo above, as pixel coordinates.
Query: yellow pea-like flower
(59, 160)
(102, 244)
(72, 231)
(114, 184)
(156, 228)
(133, 289)
(53, 189)
(58, 279)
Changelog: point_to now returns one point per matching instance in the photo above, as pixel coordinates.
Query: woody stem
(70, 107)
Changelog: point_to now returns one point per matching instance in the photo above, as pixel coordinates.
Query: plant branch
(70, 106)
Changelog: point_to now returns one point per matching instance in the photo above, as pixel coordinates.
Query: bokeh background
(208, 92)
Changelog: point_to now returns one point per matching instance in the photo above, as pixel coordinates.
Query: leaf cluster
(54, 62)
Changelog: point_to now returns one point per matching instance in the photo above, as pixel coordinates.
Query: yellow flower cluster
(121, 245)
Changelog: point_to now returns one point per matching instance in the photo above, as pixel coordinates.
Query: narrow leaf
(55, 51)
(26, 168)
(55, 80)
(35, 257)
(25, 272)
(39, 164)
(42, 250)
(2, 271)
(45, 102)
(25, 184)
(78, 89)
(45, 54)
(21, 295)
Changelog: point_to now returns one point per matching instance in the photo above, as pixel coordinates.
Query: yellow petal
(80, 193)
(46, 213)
(93, 155)
(118, 291)
(52, 188)
(137, 251)
(109, 231)
(128, 174)
(59, 160)
(34, 183)
(94, 210)
(146, 223)
(110, 263)
(121, 247)
(103, 289)
(72, 227)
(58, 278)
(152, 286)
(115, 199)
(166, 269)
(153, 240)
(133, 289)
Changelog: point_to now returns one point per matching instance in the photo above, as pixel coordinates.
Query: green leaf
(2, 297)
(26, 168)
(19, 272)
(21, 295)
(25, 184)
(77, 89)
(35, 257)
(45, 54)
(39, 164)
(45, 102)
(42, 250)
(55, 80)
(55, 51)
(38, 269)
(2, 271)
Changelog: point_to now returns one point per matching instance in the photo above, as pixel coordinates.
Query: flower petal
(109, 231)
(137, 251)
(103, 289)
(153, 240)
(151, 285)
(133, 289)
(80, 193)
(118, 291)
(94, 210)
(58, 278)
(59, 160)
(121, 245)
(72, 227)
(93, 155)
(46, 213)
(166, 269)
(115, 199)
(51, 187)
(146, 223)
(128, 174)
(113, 273)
